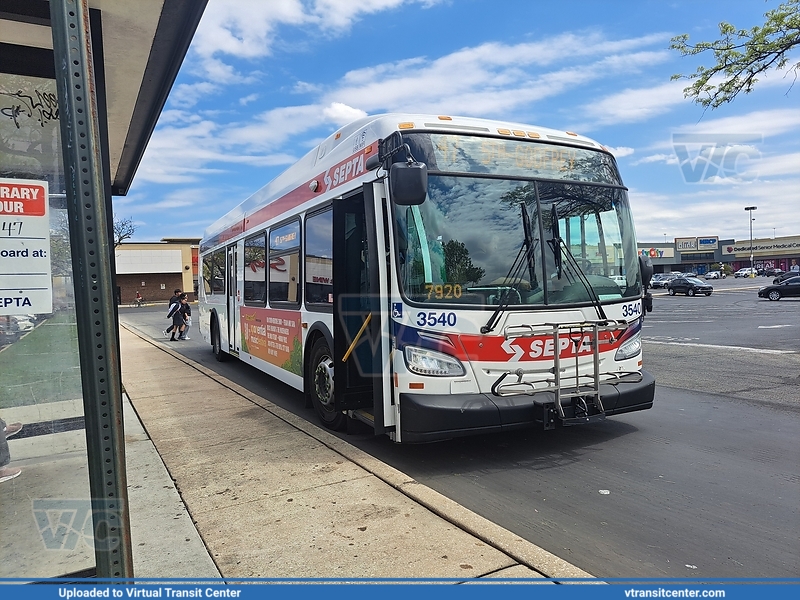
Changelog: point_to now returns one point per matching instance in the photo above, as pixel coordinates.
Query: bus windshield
(460, 245)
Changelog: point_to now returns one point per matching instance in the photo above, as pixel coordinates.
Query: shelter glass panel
(45, 513)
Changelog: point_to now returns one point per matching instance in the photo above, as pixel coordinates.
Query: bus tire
(320, 385)
(216, 345)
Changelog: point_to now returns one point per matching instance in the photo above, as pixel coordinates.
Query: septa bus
(435, 277)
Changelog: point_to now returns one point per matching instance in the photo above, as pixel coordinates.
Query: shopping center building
(698, 254)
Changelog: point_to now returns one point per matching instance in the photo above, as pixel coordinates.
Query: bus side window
(214, 273)
(284, 263)
(319, 258)
(255, 273)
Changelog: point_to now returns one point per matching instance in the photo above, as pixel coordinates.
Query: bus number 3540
(433, 318)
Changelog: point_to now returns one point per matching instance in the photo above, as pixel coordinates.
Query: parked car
(689, 286)
(662, 281)
(784, 276)
(773, 272)
(688, 274)
(713, 275)
(746, 272)
(787, 288)
(620, 280)
(24, 323)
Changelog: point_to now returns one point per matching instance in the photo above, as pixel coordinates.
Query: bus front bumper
(428, 418)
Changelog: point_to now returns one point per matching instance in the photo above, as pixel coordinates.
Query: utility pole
(749, 210)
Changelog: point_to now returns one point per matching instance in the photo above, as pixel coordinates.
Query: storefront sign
(25, 248)
(655, 253)
(684, 244)
(707, 243)
(786, 245)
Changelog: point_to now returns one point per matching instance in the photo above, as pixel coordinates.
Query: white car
(745, 272)
(24, 323)
(713, 275)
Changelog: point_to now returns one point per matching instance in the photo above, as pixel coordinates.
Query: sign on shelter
(25, 270)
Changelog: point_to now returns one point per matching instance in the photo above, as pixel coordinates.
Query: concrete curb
(526, 553)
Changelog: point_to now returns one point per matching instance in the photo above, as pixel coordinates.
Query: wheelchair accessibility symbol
(397, 310)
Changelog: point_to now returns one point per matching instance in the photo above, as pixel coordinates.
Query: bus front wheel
(216, 345)
(320, 386)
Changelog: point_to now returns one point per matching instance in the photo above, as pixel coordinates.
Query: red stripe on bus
(299, 195)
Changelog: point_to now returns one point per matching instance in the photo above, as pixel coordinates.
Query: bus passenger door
(359, 360)
(233, 305)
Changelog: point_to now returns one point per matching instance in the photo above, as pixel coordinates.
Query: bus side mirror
(646, 267)
(408, 183)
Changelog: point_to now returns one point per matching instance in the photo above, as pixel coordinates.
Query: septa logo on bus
(345, 171)
(533, 348)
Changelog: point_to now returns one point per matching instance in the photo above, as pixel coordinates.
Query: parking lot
(731, 342)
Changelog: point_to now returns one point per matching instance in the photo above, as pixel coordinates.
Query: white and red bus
(436, 277)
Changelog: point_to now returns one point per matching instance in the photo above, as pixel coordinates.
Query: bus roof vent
(453, 126)
(558, 138)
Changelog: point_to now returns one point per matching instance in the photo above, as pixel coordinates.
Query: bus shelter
(82, 84)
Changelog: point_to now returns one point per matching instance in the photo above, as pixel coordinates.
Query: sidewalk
(274, 496)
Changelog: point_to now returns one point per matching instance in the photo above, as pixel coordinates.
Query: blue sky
(264, 82)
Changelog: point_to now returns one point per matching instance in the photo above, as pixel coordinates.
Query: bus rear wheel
(320, 385)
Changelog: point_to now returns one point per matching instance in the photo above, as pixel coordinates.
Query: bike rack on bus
(583, 388)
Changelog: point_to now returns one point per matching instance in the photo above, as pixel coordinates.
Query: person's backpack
(172, 308)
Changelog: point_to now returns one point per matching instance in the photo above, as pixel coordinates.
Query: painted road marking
(754, 350)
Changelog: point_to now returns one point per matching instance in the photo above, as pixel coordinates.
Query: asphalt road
(704, 485)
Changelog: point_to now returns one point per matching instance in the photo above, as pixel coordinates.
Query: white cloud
(763, 122)
(669, 159)
(302, 87)
(635, 105)
(774, 166)
(248, 29)
(248, 99)
(492, 78)
(187, 95)
(620, 151)
(716, 210)
(341, 114)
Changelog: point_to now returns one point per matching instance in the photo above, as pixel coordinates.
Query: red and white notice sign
(25, 274)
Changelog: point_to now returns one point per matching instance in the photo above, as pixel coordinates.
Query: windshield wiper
(554, 246)
(514, 275)
(559, 243)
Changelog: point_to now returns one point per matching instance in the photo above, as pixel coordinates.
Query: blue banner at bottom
(512, 589)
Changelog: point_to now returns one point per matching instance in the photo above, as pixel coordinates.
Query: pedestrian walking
(186, 310)
(176, 298)
(176, 314)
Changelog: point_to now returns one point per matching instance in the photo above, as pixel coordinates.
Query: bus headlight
(427, 362)
(630, 348)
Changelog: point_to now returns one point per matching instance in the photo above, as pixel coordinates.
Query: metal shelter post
(94, 298)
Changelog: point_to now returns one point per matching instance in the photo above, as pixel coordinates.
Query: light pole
(665, 239)
(749, 210)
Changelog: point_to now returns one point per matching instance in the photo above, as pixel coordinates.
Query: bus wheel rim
(323, 382)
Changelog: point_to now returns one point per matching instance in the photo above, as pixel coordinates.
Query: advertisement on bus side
(274, 336)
